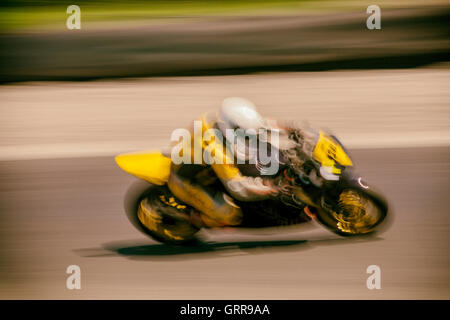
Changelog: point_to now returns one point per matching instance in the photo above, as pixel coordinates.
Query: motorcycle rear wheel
(164, 218)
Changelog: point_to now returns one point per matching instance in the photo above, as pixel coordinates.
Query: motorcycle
(340, 200)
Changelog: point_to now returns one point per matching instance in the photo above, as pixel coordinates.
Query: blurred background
(136, 70)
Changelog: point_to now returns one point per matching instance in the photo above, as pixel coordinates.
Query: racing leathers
(195, 183)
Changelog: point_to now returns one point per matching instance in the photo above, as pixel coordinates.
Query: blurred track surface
(366, 109)
(56, 213)
(59, 212)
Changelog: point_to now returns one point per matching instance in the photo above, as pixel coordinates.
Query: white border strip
(98, 149)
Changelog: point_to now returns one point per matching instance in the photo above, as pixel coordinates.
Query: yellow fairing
(328, 152)
(150, 166)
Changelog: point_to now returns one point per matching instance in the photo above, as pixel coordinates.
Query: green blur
(16, 15)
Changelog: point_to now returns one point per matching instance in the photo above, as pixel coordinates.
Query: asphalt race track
(61, 193)
(56, 213)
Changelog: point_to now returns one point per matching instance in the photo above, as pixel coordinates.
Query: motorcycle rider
(192, 183)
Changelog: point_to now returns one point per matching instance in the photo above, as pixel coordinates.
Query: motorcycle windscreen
(150, 166)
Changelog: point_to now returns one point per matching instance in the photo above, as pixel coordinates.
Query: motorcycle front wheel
(356, 212)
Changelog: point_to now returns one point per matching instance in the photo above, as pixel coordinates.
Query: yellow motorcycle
(341, 201)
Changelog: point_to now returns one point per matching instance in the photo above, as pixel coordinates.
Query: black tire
(339, 223)
(161, 221)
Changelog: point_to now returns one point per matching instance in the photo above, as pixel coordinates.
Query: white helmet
(239, 113)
